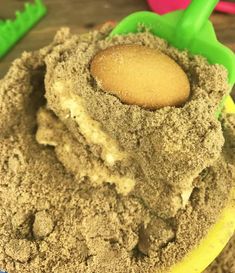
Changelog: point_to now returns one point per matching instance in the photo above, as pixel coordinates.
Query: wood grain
(82, 15)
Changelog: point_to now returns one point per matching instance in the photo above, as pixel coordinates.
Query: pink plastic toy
(165, 6)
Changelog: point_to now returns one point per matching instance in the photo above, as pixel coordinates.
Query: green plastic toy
(189, 29)
(12, 30)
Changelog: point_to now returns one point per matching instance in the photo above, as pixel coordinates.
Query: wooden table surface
(82, 15)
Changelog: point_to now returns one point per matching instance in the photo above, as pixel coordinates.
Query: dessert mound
(91, 184)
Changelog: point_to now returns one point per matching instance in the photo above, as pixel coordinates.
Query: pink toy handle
(165, 6)
(227, 7)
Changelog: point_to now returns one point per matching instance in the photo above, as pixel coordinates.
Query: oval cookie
(141, 76)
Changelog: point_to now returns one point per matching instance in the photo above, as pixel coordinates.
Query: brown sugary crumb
(86, 228)
(154, 236)
(225, 263)
(43, 224)
(20, 250)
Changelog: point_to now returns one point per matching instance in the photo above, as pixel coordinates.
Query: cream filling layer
(50, 132)
(89, 128)
(100, 174)
(94, 134)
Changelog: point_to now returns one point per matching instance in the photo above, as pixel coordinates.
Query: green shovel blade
(189, 29)
(12, 31)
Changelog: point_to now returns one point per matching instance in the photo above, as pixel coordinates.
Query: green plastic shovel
(189, 29)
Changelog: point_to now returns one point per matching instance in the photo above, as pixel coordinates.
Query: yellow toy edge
(218, 236)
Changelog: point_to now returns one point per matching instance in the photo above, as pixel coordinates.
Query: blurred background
(84, 15)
